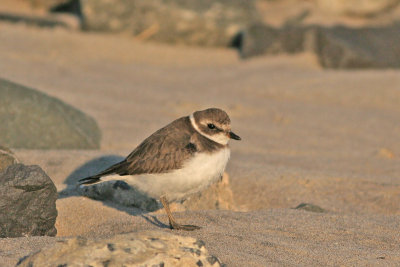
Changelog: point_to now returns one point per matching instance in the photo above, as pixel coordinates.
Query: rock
(374, 47)
(205, 23)
(27, 203)
(335, 47)
(261, 39)
(7, 158)
(34, 120)
(361, 8)
(310, 207)
(148, 248)
(217, 196)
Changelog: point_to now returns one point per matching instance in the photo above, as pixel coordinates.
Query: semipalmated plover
(178, 160)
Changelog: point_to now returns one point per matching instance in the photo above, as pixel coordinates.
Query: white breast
(196, 174)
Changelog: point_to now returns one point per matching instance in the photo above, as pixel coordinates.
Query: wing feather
(165, 150)
(160, 153)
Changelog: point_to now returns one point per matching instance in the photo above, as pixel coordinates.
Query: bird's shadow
(115, 194)
(87, 169)
(91, 167)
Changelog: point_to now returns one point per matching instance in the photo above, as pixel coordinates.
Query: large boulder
(335, 47)
(7, 158)
(362, 8)
(205, 23)
(31, 119)
(259, 39)
(372, 47)
(149, 248)
(27, 202)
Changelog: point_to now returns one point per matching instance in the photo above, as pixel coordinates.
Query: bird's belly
(197, 174)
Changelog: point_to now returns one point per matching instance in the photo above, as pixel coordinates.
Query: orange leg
(172, 223)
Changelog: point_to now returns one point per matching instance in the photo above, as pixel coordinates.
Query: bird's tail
(114, 169)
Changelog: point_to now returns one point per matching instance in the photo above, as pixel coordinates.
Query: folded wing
(161, 152)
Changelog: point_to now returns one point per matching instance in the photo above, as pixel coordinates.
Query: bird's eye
(211, 126)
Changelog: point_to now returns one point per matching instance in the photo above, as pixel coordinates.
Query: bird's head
(214, 124)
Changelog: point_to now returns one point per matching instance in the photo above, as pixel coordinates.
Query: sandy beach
(330, 138)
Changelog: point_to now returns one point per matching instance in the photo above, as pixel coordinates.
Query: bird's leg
(172, 223)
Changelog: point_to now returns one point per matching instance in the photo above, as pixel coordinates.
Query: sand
(324, 137)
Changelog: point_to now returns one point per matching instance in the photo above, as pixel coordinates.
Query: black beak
(232, 135)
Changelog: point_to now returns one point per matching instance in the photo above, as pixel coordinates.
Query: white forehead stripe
(220, 138)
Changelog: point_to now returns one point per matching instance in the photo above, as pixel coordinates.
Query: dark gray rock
(205, 23)
(374, 47)
(7, 158)
(260, 39)
(335, 47)
(34, 120)
(27, 203)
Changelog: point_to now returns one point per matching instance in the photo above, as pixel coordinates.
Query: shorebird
(178, 160)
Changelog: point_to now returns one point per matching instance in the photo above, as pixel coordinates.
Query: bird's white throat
(219, 138)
